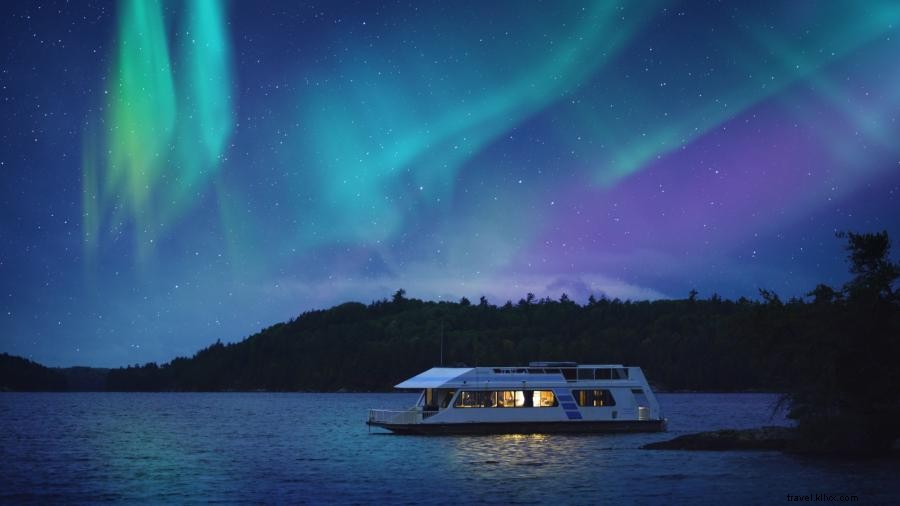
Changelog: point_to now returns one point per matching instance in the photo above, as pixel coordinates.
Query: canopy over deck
(434, 377)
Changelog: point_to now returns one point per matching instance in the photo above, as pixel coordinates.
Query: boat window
(603, 374)
(498, 370)
(620, 373)
(585, 374)
(505, 399)
(476, 399)
(594, 398)
(510, 399)
(545, 399)
(569, 373)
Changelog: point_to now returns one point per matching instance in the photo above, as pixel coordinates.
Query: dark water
(315, 448)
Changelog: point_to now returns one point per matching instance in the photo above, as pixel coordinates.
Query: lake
(316, 448)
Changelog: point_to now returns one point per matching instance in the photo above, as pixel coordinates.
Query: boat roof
(434, 377)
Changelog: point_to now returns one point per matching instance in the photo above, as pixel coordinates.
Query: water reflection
(521, 455)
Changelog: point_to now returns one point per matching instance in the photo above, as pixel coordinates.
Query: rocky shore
(765, 438)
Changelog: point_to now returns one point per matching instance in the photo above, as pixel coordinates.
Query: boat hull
(561, 427)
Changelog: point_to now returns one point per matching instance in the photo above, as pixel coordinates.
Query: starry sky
(176, 172)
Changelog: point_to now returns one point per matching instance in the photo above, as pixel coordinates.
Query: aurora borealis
(177, 172)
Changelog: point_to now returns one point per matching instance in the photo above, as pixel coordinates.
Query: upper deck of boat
(536, 373)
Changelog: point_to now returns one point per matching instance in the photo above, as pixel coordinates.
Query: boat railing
(398, 417)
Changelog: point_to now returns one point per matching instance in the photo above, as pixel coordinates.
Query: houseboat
(544, 397)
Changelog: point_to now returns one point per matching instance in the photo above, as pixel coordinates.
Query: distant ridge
(689, 344)
(19, 374)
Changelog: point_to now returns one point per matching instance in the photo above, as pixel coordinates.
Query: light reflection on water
(513, 455)
(315, 448)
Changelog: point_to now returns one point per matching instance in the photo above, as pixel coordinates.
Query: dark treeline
(694, 344)
(22, 375)
(84, 379)
(19, 374)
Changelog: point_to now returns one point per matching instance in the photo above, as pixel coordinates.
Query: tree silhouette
(868, 255)
(845, 392)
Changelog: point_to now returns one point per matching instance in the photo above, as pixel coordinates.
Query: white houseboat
(544, 397)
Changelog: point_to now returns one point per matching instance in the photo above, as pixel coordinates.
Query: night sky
(185, 171)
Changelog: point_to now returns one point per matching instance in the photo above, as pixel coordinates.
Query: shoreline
(782, 439)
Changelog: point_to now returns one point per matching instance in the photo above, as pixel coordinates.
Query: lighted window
(475, 399)
(544, 399)
(505, 399)
(510, 399)
(594, 398)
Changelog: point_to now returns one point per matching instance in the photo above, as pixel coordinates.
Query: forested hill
(23, 375)
(695, 344)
